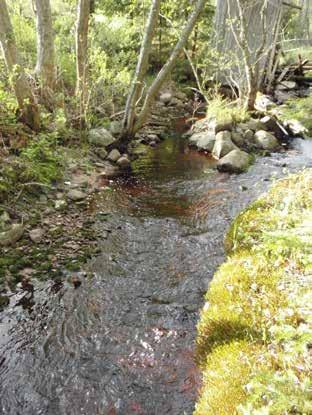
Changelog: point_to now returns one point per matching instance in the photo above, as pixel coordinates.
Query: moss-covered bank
(255, 333)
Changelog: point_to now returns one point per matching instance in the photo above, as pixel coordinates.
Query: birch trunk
(247, 33)
(45, 67)
(82, 31)
(142, 66)
(28, 108)
(169, 65)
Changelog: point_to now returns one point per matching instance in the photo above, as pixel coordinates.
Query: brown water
(123, 342)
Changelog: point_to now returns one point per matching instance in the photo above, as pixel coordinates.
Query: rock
(11, 236)
(115, 128)
(36, 235)
(124, 162)
(264, 103)
(101, 137)
(283, 96)
(153, 144)
(287, 86)
(238, 138)
(180, 95)
(166, 97)
(223, 145)
(176, 102)
(271, 124)
(76, 195)
(265, 140)
(296, 128)
(101, 152)
(153, 137)
(114, 155)
(249, 135)
(140, 150)
(220, 125)
(60, 204)
(110, 171)
(203, 141)
(253, 125)
(237, 161)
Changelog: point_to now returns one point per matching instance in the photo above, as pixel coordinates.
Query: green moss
(299, 109)
(261, 299)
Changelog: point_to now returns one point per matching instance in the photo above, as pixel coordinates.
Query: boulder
(76, 195)
(166, 97)
(237, 161)
(271, 124)
(223, 145)
(296, 128)
(101, 152)
(115, 128)
(253, 125)
(203, 141)
(287, 86)
(114, 155)
(265, 140)
(238, 139)
(249, 136)
(264, 103)
(11, 236)
(36, 235)
(101, 137)
(124, 162)
(221, 125)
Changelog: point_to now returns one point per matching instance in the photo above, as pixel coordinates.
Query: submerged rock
(265, 140)
(11, 236)
(237, 161)
(76, 195)
(101, 137)
(223, 145)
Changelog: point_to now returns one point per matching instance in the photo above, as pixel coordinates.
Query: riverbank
(255, 333)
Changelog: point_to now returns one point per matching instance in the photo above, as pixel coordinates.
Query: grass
(255, 334)
(224, 110)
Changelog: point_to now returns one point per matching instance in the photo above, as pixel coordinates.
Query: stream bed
(123, 343)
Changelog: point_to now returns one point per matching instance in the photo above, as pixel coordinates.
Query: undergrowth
(255, 334)
(223, 109)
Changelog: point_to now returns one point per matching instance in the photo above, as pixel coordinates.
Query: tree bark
(142, 66)
(82, 31)
(169, 65)
(45, 67)
(28, 108)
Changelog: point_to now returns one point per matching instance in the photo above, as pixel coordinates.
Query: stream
(123, 343)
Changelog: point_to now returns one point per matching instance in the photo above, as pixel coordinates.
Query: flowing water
(123, 342)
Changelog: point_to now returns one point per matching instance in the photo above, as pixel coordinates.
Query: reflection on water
(123, 342)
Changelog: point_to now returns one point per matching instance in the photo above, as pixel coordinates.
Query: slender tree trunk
(82, 31)
(169, 65)
(29, 111)
(247, 32)
(45, 67)
(142, 66)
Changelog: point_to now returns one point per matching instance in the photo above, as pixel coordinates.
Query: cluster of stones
(232, 144)
(103, 141)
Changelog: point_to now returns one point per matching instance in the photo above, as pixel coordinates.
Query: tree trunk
(169, 65)
(45, 68)
(28, 108)
(82, 30)
(142, 66)
(246, 37)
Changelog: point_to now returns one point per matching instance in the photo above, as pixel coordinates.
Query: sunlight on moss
(260, 299)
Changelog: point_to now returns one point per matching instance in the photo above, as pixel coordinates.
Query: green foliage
(222, 109)
(259, 302)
